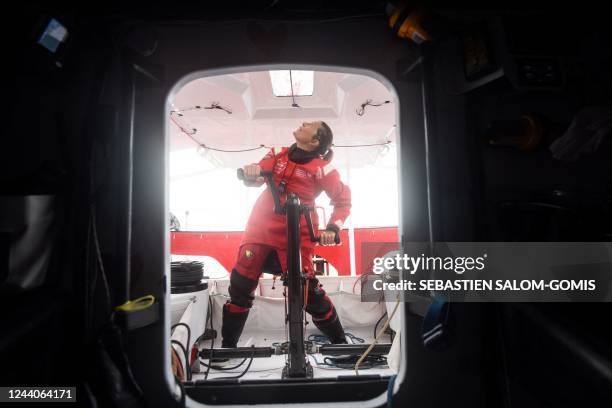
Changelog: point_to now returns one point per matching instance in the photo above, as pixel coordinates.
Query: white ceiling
(258, 117)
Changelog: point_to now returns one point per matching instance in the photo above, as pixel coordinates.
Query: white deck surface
(265, 325)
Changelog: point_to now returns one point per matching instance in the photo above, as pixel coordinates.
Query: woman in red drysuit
(303, 169)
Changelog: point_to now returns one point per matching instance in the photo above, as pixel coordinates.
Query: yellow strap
(137, 304)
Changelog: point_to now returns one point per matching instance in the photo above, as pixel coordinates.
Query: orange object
(533, 133)
(524, 134)
(406, 23)
(177, 366)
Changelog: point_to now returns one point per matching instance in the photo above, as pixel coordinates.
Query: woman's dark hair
(326, 138)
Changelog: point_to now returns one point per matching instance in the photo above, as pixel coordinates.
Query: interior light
(303, 83)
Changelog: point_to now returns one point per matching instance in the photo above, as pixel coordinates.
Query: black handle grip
(240, 173)
(336, 239)
(306, 210)
(267, 174)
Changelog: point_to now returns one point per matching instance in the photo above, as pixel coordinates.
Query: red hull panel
(223, 246)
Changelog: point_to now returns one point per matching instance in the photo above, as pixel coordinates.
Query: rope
(376, 338)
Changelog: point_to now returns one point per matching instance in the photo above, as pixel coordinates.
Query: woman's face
(305, 135)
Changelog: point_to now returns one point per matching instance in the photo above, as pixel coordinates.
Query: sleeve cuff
(333, 227)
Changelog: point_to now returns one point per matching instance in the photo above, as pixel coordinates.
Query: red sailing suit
(307, 181)
(267, 231)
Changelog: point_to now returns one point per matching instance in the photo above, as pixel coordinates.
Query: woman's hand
(327, 238)
(251, 171)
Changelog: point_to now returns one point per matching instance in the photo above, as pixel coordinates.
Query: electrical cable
(121, 348)
(361, 110)
(200, 144)
(263, 370)
(234, 151)
(364, 145)
(322, 365)
(378, 322)
(319, 364)
(123, 355)
(223, 368)
(188, 334)
(216, 105)
(212, 343)
(365, 354)
(193, 130)
(245, 370)
(322, 339)
(213, 105)
(348, 362)
(261, 146)
(354, 338)
(268, 147)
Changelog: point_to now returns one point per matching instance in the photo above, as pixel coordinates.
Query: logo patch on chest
(302, 173)
(280, 166)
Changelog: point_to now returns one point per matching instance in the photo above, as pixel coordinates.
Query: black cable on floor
(354, 338)
(188, 331)
(349, 362)
(377, 323)
(245, 370)
(323, 339)
(223, 368)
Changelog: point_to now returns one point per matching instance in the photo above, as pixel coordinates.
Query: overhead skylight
(302, 82)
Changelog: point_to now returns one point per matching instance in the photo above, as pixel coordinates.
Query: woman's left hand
(327, 238)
